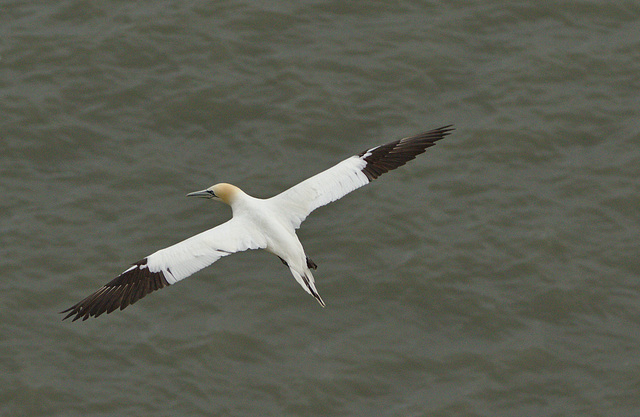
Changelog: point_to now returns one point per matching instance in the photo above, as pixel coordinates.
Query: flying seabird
(257, 223)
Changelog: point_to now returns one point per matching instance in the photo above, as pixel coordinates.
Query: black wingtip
(129, 287)
(394, 154)
(431, 136)
(64, 311)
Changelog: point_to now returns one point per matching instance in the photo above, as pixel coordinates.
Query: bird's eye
(212, 193)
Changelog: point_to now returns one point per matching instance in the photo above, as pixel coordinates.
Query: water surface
(496, 275)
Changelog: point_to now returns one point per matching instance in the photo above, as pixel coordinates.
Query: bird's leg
(311, 264)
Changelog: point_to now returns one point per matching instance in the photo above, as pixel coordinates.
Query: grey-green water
(496, 275)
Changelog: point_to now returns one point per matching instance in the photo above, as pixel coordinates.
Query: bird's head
(221, 192)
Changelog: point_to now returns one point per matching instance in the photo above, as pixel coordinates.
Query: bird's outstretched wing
(352, 173)
(168, 266)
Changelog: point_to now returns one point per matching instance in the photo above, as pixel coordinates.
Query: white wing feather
(323, 188)
(197, 252)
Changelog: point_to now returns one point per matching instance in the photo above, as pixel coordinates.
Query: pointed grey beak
(202, 194)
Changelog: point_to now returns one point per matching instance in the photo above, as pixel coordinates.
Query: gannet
(268, 224)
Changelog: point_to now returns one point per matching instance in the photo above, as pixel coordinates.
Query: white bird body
(268, 224)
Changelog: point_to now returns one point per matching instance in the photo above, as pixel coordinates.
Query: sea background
(498, 274)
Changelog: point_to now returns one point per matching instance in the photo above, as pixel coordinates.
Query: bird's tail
(306, 280)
